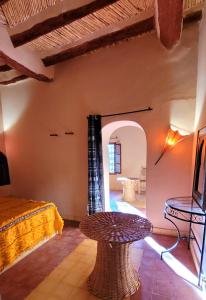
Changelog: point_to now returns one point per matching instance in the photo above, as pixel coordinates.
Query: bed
(24, 224)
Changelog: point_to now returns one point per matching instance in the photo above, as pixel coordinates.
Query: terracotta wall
(127, 76)
(133, 153)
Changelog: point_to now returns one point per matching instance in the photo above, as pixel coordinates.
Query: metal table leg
(178, 237)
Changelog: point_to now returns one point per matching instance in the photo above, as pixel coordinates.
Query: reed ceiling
(65, 31)
(15, 12)
(112, 15)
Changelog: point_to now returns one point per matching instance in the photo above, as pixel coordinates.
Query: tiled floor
(158, 281)
(22, 278)
(69, 282)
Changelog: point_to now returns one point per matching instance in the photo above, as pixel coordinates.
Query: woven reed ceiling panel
(188, 4)
(18, 11)
(113, 14)
(14, 12)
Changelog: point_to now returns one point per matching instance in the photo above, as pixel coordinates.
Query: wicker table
(130, 184)
(113, 276)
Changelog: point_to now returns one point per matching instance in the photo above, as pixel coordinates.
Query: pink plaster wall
(127, 76)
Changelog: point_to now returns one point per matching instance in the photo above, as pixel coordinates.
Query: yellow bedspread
(24, 224)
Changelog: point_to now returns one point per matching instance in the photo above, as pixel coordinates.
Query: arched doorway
(110, 131)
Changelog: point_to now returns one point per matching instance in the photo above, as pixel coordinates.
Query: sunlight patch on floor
(68, 280)
(176, 266)
(125, 207)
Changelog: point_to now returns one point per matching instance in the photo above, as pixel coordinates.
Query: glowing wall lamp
(173, 137)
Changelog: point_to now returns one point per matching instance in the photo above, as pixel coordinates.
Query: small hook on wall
(66, 133)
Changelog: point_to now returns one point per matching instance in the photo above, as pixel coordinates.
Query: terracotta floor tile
(158, 281)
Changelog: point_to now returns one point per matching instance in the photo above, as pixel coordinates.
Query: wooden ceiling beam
(63, 13)
(14, 80)
(11, 76)
(22, 59)
(101, 40)
(126, 31)
(169, 21)
(3, 67)
(192, 17)
(134, 29)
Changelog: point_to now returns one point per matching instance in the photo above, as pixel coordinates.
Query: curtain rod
(128, 112)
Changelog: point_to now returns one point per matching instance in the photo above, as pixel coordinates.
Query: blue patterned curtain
(95, 165)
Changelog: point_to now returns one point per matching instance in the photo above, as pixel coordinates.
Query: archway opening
(124, 164)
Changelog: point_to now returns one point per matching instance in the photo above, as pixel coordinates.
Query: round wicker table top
(115, 227)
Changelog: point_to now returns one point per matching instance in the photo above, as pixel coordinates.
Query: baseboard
(72, 223)
(72, 218)
(165, 231)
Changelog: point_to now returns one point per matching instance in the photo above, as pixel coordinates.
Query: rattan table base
(113, 276)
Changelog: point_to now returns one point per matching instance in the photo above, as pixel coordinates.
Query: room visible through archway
(124, 156)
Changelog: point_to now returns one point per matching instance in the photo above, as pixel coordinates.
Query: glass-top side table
(186, 209)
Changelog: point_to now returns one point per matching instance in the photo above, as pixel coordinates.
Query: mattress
(23, 225)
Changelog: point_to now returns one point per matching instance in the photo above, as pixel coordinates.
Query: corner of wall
(4, 190)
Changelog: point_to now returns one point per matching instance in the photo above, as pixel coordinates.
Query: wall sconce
(173, 137)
